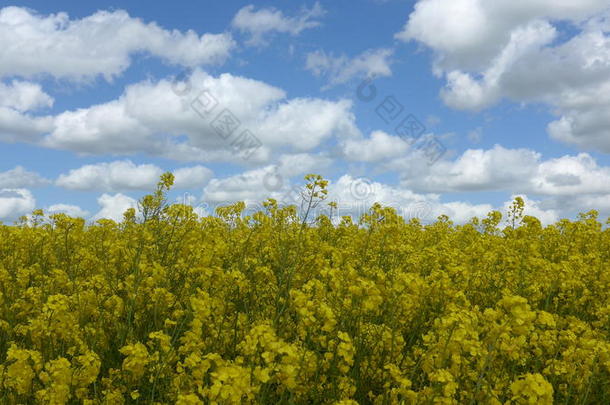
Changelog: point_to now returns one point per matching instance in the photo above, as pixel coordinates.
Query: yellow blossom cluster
(167, 307)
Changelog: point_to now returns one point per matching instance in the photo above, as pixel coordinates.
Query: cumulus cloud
(514, 170)
(178, 120)
(23, 96)
(472, 33)
(355, 195)
(259, 24)
(476, 170)
(295, 164)
(68, 209)
(99, 44)
(18, 127)
(126, 175)
(341, 69)
(380, 146)
(191, 177)
(563, 186)
(272, 181)
(19, 177)
(17, 100)
(118, 175)
(15, 202)
(251, 186)
(571, 175)
(489, 51)
(580, 204)
(586, 118)
(114, 206)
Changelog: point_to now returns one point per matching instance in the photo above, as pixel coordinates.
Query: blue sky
(515, 94)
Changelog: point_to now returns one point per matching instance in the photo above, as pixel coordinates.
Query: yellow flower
(22, 368)
(57, 376)
(532, 389)
(137, 359)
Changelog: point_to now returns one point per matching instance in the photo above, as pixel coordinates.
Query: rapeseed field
(280, 307)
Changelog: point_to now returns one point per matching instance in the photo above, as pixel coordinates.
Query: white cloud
(125, 175)
(563, 186)
(271, 181)
(114, 206)
(356, 195)
(259, 24)
(15, 202)
(586, 117)
(378, 147)
(118, 175)
(476, 170)
(157, 114)
(513, 170)
(18, 127)
(580, 204)
(191, 177)
(100, 44)
(489, 51)
(19, 177)
(295, 164)
(341, 69)
(23, 96)
(304, 123)
(68, 209)
(525, 46)
(17, 99)
(252, 186)
(472, 33)
(570, 176)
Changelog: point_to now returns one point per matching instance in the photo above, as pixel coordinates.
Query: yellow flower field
(278, 308)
